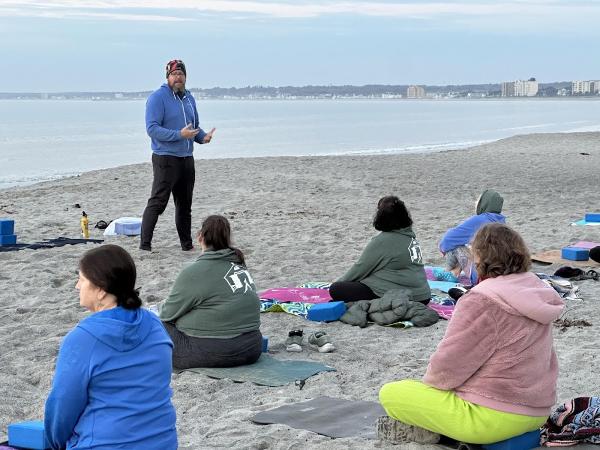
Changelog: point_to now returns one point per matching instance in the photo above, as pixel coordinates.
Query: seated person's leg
(458, 260)
(350, 291)
(443, 412)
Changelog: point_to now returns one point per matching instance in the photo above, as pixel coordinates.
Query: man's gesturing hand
(188, 132)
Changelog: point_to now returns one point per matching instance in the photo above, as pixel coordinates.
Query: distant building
(585, 87)
(520, 88)
(508, 89)
(415, 92)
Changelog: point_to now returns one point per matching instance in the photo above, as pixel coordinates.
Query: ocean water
(46, 139)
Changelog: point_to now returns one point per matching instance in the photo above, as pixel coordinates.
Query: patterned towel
(315, 285)
(573, 422)
(295, 308)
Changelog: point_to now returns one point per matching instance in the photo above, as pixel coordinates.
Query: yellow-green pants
(444, 412)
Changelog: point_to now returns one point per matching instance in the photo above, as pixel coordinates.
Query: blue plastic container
(575, 254)
(265, 344)
(592, 217)
(524, 441)
(29, 435)
(7, 226)
(8, 239)
(326, 312)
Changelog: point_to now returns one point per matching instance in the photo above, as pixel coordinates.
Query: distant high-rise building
(415, 92)
(520, 88)
(508, 89)
(585, 87)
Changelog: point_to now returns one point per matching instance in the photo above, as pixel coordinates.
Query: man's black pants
(171, 175)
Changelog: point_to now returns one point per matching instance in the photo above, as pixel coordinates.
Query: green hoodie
(490, 201)
(215, 296)
(391, 260)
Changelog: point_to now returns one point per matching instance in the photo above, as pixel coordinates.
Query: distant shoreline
(435, 149)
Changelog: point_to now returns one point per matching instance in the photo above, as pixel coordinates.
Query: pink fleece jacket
(498, 350)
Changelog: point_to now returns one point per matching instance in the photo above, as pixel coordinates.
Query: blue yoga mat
(267, 371)
(441, 285)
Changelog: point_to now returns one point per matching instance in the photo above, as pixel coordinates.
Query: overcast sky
(62, 45)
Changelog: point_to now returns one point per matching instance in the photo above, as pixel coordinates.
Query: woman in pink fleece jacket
(493, 375)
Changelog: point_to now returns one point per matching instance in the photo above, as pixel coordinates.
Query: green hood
(490, 202)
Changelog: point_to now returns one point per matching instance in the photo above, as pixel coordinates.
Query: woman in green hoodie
(391, 260)
(212, 312)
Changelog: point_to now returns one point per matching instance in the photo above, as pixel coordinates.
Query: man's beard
(178, 87)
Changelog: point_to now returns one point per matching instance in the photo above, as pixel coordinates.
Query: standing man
(173, 126)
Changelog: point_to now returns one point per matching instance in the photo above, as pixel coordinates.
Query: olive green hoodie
(392, 259)
(215, 296)
(490, 201)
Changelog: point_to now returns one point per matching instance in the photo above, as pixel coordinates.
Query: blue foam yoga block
(28, 434)
(7, 226)
(265, 344)
(8, 239)
(575, 254)
(326, 312)
(592, 217)
(525, 441)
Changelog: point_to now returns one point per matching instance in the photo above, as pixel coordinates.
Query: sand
(297, 219)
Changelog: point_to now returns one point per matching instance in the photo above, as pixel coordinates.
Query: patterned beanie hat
(175, 64)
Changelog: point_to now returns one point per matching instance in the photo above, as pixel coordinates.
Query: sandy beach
(297, 219)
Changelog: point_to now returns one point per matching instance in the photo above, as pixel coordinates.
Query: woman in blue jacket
(111, 387)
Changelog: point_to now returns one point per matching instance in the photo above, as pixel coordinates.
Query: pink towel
(444, 311)
(302, 295)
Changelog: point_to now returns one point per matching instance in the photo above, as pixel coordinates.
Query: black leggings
(353, 291)
(350, 291)
(191, 351)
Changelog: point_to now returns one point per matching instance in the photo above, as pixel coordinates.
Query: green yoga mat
(267, 371)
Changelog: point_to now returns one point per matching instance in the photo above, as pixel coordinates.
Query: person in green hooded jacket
(391, 260)
(213, 312)
(454, 245)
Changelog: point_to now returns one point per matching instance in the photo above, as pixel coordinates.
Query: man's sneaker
(146, 247)
(396, 432)
(321, 340)
(293, 343)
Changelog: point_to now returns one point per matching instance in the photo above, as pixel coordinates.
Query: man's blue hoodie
(166, 114)
(489, 208)
(111, 389)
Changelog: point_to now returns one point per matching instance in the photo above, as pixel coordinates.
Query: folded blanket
(393, 307)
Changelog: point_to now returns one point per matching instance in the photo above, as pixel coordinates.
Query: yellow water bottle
(84, 225)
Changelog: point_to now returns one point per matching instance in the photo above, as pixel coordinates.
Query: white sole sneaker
(294, 348)
(325, 348)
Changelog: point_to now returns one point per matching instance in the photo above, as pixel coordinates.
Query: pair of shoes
(320, 340)
(146, 247)
(187, 246)
(397, 432)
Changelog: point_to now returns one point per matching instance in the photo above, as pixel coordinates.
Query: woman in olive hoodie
(212, 312)
(493, 375)
(392, 259)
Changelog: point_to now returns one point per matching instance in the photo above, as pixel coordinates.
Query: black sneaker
(187, 247)
(456, 292)
(146, 247)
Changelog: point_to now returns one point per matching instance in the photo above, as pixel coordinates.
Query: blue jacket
(166, 115)
(463, 233)
(111, 388)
